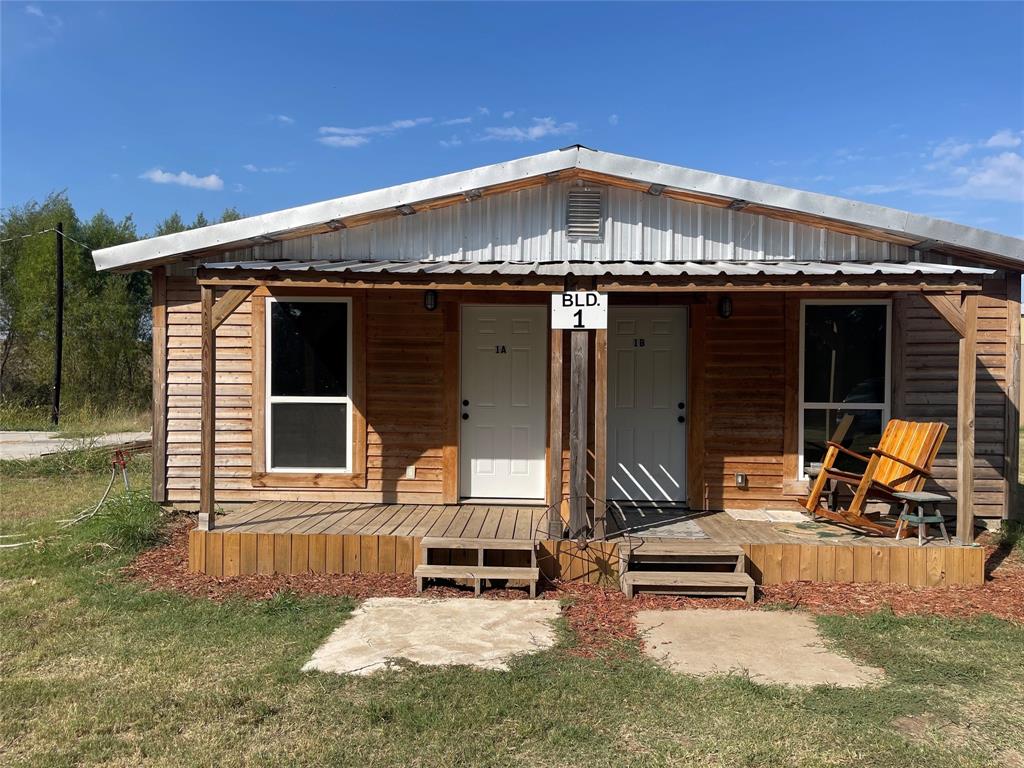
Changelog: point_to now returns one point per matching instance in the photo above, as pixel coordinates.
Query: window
(309, 383)
(844, 369)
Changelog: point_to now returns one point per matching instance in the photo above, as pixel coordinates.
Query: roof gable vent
(584, 214)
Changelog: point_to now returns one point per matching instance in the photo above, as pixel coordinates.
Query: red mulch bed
(600, 617)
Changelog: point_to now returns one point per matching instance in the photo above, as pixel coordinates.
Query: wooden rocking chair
(902, 462)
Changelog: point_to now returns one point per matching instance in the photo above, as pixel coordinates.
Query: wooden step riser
(683, 561)
(691, 591)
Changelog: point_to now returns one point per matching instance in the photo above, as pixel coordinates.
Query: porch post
(578, 435)
(555, 435)
(600, 430)
(207, 412)
(966, 385)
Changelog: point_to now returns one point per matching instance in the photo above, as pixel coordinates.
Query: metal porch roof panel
(606, 268)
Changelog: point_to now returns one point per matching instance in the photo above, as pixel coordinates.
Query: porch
(341, 538)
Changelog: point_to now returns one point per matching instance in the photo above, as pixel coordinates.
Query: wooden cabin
(335, 382)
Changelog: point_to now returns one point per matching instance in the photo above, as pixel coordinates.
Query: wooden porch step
(696, 584)
(477, 574)
(682, 548)
(440, 542)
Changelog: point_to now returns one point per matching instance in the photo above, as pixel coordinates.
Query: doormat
(640, 521)
(767, 515)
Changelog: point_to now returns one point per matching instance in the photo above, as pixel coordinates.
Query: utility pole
(58, 346)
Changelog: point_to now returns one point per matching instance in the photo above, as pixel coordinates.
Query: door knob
(465, 403)
(682, 406)
(465, 417)
(680, 419)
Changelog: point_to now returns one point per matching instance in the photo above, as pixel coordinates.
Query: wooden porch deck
(470, 521)
(310, 537)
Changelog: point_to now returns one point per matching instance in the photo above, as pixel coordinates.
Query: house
(362, 372)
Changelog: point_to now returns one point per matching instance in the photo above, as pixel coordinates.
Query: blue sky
(147, 108)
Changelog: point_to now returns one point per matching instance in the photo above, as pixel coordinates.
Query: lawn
(82, 421)
(96, 671)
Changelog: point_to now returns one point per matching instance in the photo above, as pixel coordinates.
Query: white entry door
(647, 404)
(504, 402)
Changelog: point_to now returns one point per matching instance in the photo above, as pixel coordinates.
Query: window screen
(844, 370)
(309, 412)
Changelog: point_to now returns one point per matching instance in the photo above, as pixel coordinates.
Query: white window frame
(273, 399)
(886, 407)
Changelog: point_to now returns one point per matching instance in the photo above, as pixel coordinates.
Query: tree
(106, 315)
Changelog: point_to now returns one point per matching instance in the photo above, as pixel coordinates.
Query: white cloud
(251, 168)
(454, 141)
(1004, 139)
(343, 141)
(613, 119)
(338, 136)
(508, 113)
(483, 111)
(951, 149)
(285, 119)
(51, 20)
(457, 121)
(996, 177)
(184, 179)
(540, 128)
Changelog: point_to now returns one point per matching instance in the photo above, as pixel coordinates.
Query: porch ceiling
(626, 269)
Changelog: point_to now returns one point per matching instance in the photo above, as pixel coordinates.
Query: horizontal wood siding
(744, 403)
(404, 347)
(928, 391)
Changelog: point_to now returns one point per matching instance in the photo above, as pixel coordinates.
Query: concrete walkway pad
(480, 633)
(772, 647)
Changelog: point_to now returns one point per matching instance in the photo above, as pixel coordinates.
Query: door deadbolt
(465, 417)
(465, 403)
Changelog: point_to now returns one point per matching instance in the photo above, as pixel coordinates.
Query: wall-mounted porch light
(430, 300)
(725, 307)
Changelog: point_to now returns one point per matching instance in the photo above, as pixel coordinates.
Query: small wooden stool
(919, 517)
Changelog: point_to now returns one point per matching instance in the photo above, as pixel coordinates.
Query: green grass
(96, 671)
(75, 421)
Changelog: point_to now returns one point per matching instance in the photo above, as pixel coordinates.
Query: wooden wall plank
(247, 554)
(159, 385)
(215, 555)
(232, 554)
(317, 553)
(299, 554)
(265, 553)
(335, 556)
(368, 554)
(861, 564)
(282, 553)
(880, 568)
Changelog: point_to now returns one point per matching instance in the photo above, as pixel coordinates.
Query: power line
(64, 235)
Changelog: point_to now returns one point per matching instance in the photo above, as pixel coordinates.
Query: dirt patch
(384, 631)
(768, 646)
(602, 619)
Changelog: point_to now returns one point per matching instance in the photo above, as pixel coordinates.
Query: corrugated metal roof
(608, 268)
(169, 248)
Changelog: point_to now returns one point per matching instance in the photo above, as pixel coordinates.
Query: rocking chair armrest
(847, 451)
(904, 462)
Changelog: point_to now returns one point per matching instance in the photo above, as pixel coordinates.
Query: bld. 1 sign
(579, 311)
